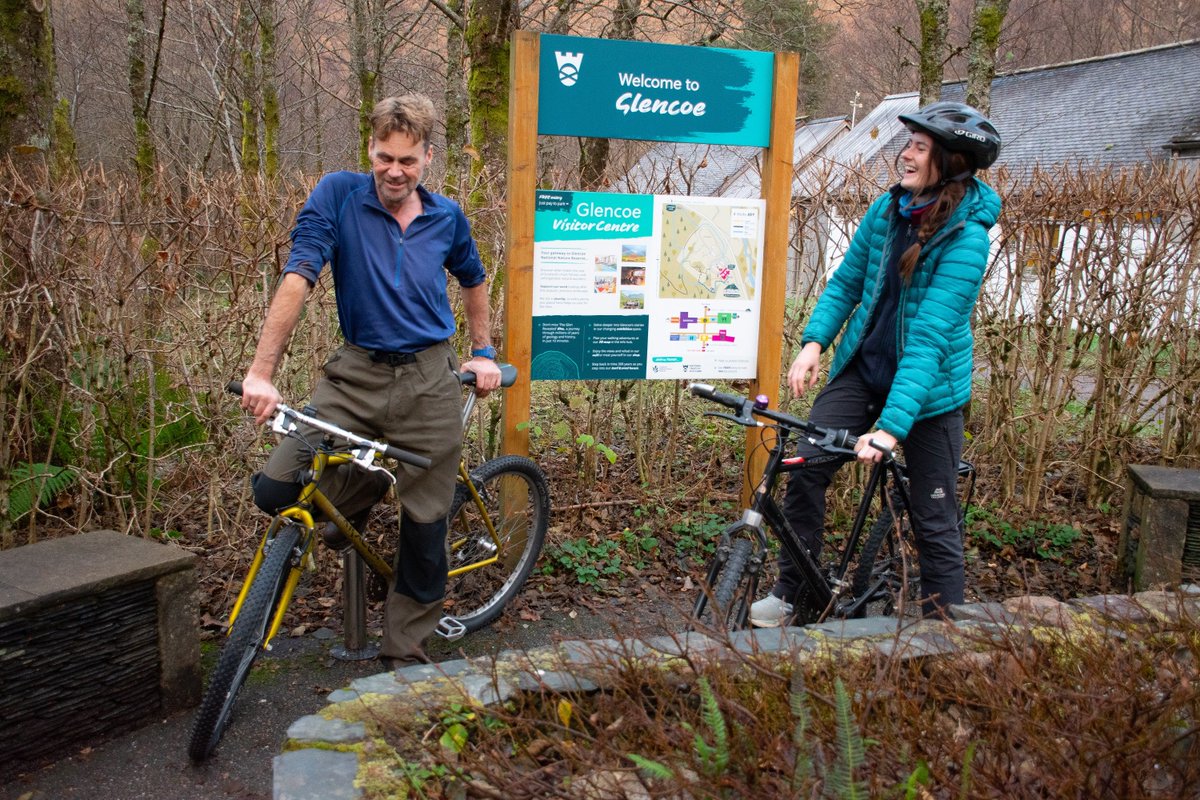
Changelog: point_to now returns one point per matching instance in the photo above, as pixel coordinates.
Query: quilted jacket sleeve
(845, 289)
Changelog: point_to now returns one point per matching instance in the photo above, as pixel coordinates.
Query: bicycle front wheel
(493, 542)
(724, 602)
(244, 643)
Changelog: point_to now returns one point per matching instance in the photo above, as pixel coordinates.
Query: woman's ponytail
(936, 214)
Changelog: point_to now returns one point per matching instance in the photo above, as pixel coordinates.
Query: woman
(902, 370)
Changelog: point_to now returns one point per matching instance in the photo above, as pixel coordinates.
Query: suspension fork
(301, 517)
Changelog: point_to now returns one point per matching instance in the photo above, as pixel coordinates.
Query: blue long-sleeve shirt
(390, 284)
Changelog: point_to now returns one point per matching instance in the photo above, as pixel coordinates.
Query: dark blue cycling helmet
(958, 127)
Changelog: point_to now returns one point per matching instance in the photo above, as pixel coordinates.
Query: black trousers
(931, 451)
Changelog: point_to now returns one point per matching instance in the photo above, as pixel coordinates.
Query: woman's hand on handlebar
(487, 375)
(869, 453)
(806, 369)
(259, 397)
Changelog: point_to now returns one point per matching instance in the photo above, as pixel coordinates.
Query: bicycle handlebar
(285, 415)
(508, 376)
(837, 439)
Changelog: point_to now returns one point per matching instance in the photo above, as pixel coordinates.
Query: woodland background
(158, 154)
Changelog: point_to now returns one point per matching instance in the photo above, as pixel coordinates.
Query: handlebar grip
(887, 451)
(508, 376)
(407, 457)
(708, 392)
(234, 387)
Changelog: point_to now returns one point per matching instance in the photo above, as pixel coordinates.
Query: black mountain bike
(872, 572)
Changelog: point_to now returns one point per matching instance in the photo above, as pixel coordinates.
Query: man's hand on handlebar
(487, 375)
(259, 397)
(875, 446)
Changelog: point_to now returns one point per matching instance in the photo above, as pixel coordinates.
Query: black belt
(393, 359)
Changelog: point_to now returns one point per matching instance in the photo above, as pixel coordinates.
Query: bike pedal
(451, 629)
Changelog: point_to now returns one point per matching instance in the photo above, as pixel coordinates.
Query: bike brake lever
(365, 458)
(283, 423)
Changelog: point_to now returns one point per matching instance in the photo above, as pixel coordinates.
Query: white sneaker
(770, 612)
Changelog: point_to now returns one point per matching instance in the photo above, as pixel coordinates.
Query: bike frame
(312, 497)
(764, 507)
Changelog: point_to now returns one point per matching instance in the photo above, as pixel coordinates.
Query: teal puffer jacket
(934, 340)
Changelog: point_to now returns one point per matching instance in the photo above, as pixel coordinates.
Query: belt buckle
(393, 359)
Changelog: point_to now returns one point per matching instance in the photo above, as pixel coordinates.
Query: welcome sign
(668, 93)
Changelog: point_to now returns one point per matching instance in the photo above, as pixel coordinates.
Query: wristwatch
(484, 352)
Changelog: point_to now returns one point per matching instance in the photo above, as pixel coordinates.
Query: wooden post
(777, 191)
(518, 284)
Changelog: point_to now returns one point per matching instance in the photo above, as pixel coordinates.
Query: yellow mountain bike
(497, 525)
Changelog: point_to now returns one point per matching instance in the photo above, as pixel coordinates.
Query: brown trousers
(416, 407)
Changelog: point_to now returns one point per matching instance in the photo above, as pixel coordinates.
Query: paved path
(289, 683)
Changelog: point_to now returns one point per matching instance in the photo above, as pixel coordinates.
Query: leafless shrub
(1075, 712)
(126, 310)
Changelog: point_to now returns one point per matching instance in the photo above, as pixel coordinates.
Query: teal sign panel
(659, 92)
(589, 348)
(578, 216)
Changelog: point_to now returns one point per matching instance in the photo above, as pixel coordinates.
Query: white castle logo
(568, 67)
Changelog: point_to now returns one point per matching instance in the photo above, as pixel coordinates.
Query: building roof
(811, 141)
(1121, 109)
(871, 145)
(1116, 110)
(721, 170)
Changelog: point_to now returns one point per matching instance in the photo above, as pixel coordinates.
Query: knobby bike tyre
(243, 645)
(882, 558)
(477, 597)
(724, 604)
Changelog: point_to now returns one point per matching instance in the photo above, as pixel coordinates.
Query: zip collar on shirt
(429, 205)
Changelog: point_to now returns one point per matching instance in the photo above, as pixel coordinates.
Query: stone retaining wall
(97, 635)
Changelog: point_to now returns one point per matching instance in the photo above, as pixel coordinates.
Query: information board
(645, 286)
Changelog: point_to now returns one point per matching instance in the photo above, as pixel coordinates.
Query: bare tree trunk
(934, 16)
(987, 18)
(368, 79)
(270, 93)
(593, 153)
(246, 30)
(140, 90)
(457, 114)
(27, 76)
(489, 29)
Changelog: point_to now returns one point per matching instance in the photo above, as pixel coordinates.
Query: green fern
(798, 702)
(652, 769)
(964, 790)
(851, 749)
(917, 778)
(40, 479)
(714, 757)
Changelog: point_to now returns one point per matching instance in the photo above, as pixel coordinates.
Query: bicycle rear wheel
(244, 643)
(512, 494)
(885, 575)
(724, 601)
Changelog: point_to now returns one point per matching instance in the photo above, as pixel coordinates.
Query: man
(389, 242)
